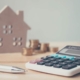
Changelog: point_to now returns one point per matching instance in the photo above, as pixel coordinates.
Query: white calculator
(65, 62)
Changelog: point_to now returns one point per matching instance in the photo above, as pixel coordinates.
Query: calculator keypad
(65, 62)
(59, 62)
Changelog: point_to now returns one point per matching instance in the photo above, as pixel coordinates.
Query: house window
(10, 31)
(4, 31)
(14, 38)
(10, 26)
(17, 41)
(14, 43)
(7, 29)
(4, 27)
(0, 39)
(0, 44)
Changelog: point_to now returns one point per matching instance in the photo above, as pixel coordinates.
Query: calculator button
(46, 61)
(60, 60)
(77, 62)
(40, 63)
(77, 58)
(49, 56)
(69, 66)
(54, 62)
(43, 58)
(48, 64)
(57, 65)
(62, 63)
(62, 56)
(70, 57)
(52, 59)
(68, 61)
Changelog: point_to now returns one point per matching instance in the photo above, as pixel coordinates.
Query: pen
(11, 69)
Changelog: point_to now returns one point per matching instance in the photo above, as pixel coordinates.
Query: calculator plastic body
(65, 62)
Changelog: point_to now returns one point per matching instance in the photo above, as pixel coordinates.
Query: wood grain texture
(20, 61)
(17, 59)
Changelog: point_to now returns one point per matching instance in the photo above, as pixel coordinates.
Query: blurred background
(50, 20)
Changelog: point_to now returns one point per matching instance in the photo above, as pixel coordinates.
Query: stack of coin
(27, 51)
(44, 47)
(34, 44)
(54, 49)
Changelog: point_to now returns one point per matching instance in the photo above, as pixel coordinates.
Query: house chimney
(20, 14)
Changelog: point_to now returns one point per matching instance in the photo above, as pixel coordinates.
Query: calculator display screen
(70, 51)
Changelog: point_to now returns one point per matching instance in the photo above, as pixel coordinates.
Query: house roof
(9, 9)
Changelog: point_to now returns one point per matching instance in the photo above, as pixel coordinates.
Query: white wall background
(50, 20)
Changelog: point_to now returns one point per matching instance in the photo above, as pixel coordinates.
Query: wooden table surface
(17, 59)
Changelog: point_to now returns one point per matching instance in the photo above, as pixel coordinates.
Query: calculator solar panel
(71, 50)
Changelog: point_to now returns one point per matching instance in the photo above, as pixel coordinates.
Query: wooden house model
(13, 31)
